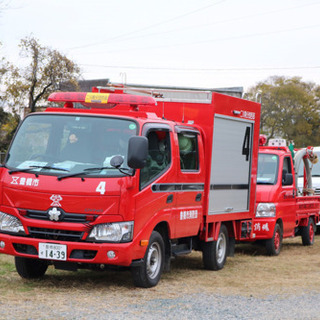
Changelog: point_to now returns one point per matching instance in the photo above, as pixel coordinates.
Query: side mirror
(137, 152)
(287, 179)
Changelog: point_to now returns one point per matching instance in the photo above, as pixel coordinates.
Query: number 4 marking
(246, 144)
(101, 188)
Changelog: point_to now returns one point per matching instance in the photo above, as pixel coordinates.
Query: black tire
(30, 268)
(274, 244)
(308, 233)
(214, 253)
(148, 274)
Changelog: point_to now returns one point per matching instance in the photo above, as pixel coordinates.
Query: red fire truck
(129, 177)
(282, 209)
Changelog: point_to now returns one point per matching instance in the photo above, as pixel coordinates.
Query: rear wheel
(148, 274)
(308, 232)
(214, 253)
(274, 244)
(30, 268)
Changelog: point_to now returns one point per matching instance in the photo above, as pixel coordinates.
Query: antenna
(258, 96)
(123, 76)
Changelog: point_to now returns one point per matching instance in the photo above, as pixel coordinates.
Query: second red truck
(282, 210)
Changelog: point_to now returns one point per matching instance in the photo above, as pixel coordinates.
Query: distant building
(87, 85)
(232, 91)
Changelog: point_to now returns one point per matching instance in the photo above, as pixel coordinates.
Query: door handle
(170, 198)
(198, 197)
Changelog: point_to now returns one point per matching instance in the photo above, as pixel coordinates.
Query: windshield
(66, 144)
(315, 168)
(267, 168)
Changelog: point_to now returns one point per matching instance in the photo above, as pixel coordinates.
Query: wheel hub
(221, 248)
(153, 260)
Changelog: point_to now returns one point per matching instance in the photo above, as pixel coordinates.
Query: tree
(4, 67)
(290, 109)
(8, 126)
(46, 69)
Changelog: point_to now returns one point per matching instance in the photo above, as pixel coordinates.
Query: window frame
(53, 145)
(289, 163)
(146, 129)
(276, 174)
(196, 133)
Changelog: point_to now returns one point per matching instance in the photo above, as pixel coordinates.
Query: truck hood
(264, 193)
(91, 196)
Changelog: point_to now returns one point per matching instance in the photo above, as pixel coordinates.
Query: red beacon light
(101, 100)
(262, 140)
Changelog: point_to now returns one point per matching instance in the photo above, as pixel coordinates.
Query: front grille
(68, 217)
(55, 234)
(317, 191)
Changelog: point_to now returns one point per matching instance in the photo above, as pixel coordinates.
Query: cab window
(158, 156)
(287, 168)
(188, 149)
(267, 168)
(287, 165)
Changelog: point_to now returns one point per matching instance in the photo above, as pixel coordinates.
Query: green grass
(250, 270)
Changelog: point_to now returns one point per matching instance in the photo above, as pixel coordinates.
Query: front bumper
(77, 252)
(263, 228)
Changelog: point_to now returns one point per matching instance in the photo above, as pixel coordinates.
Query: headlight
(112, 232)
(9, 223)
(265, 210)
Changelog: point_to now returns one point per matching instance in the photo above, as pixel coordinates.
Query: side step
(182, 247)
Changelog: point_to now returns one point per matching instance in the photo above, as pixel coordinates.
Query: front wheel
(274, 244)
(214, 253)
(308, 232)
(30, 268)
(148, 274)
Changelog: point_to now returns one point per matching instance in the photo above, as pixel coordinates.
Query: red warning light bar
(101, 99)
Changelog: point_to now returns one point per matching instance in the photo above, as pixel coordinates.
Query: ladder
(162, 94)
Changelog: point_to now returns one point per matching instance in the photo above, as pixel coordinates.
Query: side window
(158, 156)
(286, 167)
(188, 148)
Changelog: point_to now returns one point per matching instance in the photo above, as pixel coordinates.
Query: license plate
(53, 251)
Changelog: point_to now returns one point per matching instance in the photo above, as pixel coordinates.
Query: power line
(148, 27)
(123, 38)
(255, 34)
(235, 37)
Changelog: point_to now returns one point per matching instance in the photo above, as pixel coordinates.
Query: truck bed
(307, 206)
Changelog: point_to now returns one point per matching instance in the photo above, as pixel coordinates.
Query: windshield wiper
(36, 167)
(122, 170)
(88, 170)
(84, 172)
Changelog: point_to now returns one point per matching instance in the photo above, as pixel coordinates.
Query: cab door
(287, 198)
(188, 210)
(155, 198)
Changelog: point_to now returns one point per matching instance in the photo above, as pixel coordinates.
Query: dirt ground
(250, 273)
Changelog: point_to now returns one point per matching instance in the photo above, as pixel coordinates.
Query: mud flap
(232, 245)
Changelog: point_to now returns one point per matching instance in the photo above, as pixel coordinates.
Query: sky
(185, 43)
